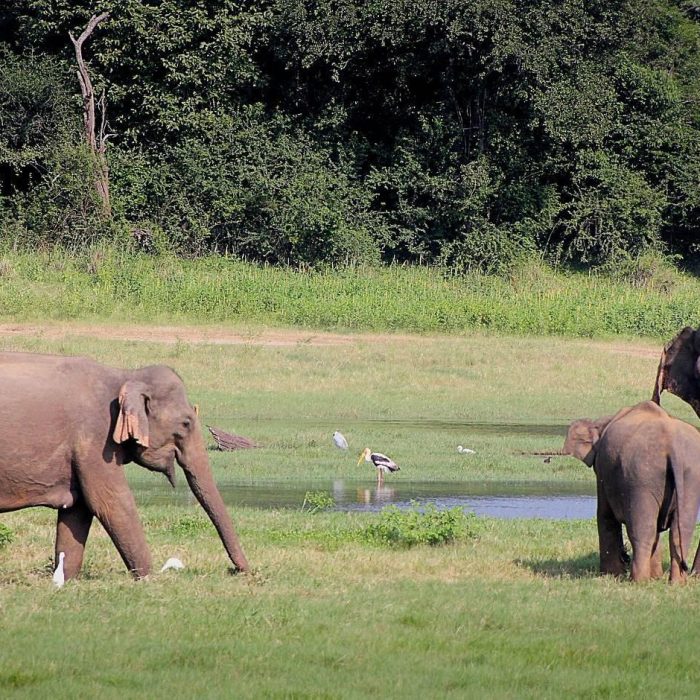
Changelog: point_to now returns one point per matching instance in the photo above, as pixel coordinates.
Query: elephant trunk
(201, 481)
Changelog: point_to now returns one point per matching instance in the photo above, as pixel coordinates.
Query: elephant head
(582, 436)
(156, 426)
(679, 369)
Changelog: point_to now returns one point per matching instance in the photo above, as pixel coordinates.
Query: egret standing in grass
(58, 576)
(383, 463)
(339, 440)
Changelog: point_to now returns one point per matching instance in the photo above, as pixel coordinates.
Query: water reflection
(379, 495)
(551, 500)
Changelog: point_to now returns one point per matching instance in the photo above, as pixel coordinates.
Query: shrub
(421, 525)
(648, 270)
(315, 501)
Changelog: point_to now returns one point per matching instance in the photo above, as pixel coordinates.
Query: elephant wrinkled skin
(647, 466)
(68, 425)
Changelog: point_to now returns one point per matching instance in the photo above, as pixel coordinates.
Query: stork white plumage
(59, 577)
(383, 464)
(339, 440)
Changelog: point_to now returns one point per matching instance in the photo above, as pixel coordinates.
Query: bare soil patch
(220, 335)
(172, 334)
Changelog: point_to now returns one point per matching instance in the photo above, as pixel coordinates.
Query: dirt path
(217, 335)
(209, 335)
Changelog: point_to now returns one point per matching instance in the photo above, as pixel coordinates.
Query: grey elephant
(68, 425)
(647, 466)
(679, 369)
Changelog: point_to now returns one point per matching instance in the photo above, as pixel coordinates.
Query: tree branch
(96, 144)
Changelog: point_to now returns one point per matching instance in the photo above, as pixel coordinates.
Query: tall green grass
(533, 299)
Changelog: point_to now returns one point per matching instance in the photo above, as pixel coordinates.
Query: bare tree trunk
(96, 142)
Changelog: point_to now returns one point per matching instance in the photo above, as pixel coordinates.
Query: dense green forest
(462, 133)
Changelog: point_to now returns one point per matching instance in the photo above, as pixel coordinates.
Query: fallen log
(228, 441)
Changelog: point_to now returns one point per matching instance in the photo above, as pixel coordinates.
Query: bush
(252, 186)
(648, 270)
(421, 525)
(315, 501)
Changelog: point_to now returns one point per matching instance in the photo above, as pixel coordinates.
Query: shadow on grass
(580, 567)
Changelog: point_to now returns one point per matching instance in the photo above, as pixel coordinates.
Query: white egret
(59, 577)
(383, 463)
(172, 563)
(340, 442)
(465, 450)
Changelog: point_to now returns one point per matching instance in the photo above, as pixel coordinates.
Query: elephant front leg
(72, 530)
(109, 498)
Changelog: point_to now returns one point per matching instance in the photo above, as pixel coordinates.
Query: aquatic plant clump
(315, 501)
(421, 525)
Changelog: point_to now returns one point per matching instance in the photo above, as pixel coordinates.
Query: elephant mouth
(161, 460)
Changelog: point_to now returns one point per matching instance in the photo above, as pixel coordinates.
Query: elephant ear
(582, 436)
(132, 421)
(678, 369)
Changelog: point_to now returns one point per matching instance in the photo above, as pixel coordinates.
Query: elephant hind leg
(612, 550)
(72, 530)
(657, 569)
(644, 539)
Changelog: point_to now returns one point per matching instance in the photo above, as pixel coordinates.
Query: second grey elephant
(647, 466)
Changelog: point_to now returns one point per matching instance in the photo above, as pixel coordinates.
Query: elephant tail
(678, 493)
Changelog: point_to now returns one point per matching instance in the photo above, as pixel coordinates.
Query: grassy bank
(533, 299)
(511, 609)
(413, 397)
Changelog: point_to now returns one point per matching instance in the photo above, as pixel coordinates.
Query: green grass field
(514, 610)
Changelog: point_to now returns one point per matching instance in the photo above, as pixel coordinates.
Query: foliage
(462, 132)
(421, 524)
(6, 535)
(45, 172)
(315, 501)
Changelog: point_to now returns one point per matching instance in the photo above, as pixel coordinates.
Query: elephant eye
(187, 424)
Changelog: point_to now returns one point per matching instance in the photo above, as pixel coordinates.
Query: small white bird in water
(340, 442)
(59, 577)
(383, 463)
(465, 450)
(172, 563)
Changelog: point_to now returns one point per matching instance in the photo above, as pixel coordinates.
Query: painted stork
(339, 440)
(383, 463)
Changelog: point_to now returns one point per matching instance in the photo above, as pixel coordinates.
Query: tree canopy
(458, 132)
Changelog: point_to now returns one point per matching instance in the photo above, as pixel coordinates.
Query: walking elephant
(679, 369)
(647, 466)
(68, 425)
